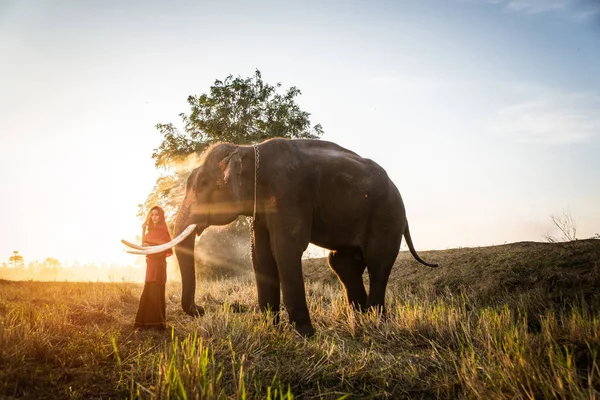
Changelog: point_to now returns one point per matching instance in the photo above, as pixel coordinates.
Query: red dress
(152, 311)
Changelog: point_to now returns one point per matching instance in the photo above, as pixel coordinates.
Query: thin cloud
(579, 10)
(553, 119)
(592, 12)
(537, 6)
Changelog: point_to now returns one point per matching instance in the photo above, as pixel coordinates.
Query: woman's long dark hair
(149, 225)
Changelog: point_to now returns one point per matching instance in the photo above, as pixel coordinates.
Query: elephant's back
(330, 169)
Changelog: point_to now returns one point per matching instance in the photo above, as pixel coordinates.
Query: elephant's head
(213, 196)
(213, 193)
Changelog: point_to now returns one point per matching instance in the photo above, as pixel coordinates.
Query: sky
(485, 113)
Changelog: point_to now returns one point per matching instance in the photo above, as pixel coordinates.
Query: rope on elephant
(256, 160)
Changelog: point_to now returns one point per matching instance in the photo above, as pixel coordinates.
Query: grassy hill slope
(512, 321)
(526, 274)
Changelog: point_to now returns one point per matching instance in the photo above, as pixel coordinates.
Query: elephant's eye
(202, 183)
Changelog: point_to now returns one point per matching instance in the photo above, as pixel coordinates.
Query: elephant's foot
(360, 306)
(304, 329)
(275, 318)
(195, 311)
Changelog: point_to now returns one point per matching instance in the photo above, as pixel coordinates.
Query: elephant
(298, 191)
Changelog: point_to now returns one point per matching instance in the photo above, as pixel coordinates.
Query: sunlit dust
(218, 247)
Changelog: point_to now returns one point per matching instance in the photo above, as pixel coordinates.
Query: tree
(237, 110)
(52, 263)
(566, 224)
(16, 260)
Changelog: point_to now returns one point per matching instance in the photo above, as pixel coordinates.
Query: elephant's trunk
(185, 257)
(184, 252)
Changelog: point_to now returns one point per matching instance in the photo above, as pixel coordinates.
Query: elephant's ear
(232, 172)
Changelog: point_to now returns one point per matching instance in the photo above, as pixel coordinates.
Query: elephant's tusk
(133, 245)
(162, 247)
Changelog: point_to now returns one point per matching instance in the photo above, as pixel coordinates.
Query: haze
(484, 113)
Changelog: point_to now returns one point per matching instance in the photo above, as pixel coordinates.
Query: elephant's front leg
(265, 271)
(288, 250)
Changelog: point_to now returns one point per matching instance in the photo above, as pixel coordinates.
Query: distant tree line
(52, 270)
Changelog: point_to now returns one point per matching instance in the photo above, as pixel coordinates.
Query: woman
(153, 309)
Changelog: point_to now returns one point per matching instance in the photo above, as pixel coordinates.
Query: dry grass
(513, 321)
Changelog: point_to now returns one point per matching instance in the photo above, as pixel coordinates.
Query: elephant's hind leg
(380, 254)
(349, 265)
(379, 265)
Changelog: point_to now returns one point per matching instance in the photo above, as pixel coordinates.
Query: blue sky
(484, 113)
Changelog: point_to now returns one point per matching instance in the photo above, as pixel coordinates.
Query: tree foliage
(16, 260)
(237, 110)
(52, 263)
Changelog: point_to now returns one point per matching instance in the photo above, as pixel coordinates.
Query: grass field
(514, 321)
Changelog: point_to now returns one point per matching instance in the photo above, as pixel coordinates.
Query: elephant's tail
(411, 247)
